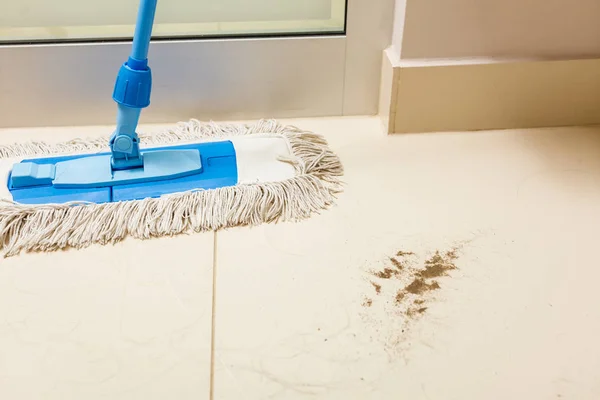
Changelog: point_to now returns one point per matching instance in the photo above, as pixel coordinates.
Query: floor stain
(400, 296)
(413, 312)
(405, 286)
(386, 273)
(377, 287)
(396, 263)
(395, 269)
(439, 265)
(419, 286)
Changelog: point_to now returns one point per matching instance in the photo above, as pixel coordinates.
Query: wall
(399, 20)
(499, 28)
(492, 64)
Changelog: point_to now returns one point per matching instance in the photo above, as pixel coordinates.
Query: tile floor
(308, 310)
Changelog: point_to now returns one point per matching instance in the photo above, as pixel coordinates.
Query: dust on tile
(405, 286)
(422, 278)
(418, 286)
(377, 287)
(386, 273)
(396, 263)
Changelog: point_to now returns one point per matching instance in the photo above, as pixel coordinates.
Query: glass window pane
(45, 20)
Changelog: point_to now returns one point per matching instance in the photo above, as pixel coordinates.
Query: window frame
(62, 84)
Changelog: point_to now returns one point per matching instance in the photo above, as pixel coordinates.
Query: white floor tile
(297, 314)
(130, 321)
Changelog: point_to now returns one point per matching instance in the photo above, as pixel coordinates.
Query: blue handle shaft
(132, 92)
(143, 29)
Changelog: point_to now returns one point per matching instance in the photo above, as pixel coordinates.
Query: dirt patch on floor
(419, 286)
(377, 287)
(386, 273)
(394, 268)
(399, 266)
(439, 265)
(418, 277)
(414, 312)
(407, 284)
(400, 296)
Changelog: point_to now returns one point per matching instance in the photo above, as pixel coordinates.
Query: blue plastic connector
(134, 84)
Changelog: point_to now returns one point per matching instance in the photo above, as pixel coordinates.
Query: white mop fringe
(58, 226)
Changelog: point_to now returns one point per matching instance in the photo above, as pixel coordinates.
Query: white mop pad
(283, 174)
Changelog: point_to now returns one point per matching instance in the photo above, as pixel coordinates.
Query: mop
(191, 178)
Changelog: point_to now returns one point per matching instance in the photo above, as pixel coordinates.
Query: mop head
(292, 175)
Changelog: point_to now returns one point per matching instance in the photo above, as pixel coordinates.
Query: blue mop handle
(134, 81)
(143, 29)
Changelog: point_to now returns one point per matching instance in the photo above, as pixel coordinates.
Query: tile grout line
(212, 328)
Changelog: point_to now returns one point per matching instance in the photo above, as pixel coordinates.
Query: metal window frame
(65, 84)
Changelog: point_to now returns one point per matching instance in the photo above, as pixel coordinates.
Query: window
(211, 59)
(43, 20)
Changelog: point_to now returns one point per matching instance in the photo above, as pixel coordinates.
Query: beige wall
(498, 28)
(399, 18)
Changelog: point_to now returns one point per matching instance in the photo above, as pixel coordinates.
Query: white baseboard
(476, 94)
